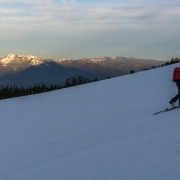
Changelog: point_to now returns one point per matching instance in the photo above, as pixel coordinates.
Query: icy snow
(98, 131)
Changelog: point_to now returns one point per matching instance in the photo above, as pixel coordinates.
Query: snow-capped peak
(10, 58)
(29, 57)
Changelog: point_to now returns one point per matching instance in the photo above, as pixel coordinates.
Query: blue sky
(77, 28)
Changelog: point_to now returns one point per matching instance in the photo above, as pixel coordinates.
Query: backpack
(176, 74)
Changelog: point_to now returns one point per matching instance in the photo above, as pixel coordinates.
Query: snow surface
(98, 131)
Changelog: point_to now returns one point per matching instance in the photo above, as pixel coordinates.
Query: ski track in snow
(102, 130)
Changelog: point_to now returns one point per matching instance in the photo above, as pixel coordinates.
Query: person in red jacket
(174, 99)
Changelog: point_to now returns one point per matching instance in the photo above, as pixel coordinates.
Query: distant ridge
(26, 70)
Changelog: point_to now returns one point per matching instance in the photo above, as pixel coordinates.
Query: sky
(75, 29)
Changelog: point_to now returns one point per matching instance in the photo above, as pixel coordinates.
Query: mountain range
(26, 70)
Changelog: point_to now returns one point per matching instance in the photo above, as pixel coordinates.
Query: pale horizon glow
(76, 29)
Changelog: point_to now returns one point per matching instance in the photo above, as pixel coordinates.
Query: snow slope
(98, 131)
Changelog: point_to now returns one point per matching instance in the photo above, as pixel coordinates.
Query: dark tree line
(173, 61)
(15, 91)
(75, 82)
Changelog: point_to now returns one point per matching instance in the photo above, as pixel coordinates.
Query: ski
(167, 109)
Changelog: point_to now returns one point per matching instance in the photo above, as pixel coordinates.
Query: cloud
(80, 26)
(37, 2)
(25, 1)
(11, 12)
(71, 12)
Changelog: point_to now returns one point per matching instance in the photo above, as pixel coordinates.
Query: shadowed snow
(102, 130)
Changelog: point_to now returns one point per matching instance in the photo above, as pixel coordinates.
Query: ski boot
(172, 103)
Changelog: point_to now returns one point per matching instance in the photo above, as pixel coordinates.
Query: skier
(176, 78)
(174, 99)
